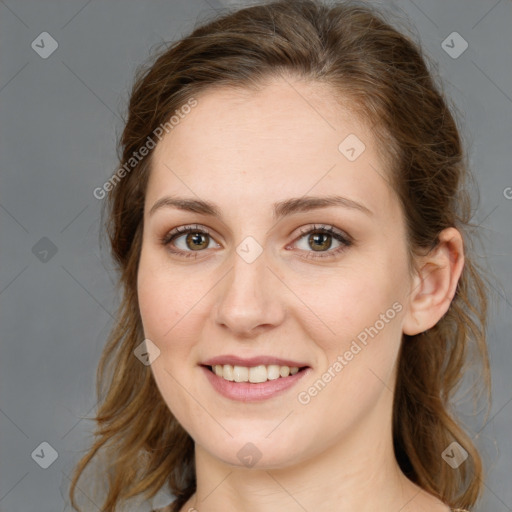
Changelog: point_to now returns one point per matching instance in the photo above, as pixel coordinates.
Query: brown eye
(187, 241)
(320, 241)
(197, 241)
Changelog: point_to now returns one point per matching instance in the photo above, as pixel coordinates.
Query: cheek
(356, 371)
(172, 304)
(165, 298)
(364, 310)
(168, 321)
(352, 301)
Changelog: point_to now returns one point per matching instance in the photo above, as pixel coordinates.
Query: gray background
(60, 118)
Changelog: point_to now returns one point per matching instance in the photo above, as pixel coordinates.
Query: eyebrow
(280, 209)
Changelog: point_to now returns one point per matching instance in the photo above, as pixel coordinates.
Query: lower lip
(249, 392)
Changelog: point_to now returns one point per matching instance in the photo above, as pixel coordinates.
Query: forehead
(287, 139)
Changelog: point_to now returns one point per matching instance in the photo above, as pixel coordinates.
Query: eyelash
(325, 229)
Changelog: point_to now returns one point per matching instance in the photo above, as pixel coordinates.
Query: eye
(195, 239)
(321, 238)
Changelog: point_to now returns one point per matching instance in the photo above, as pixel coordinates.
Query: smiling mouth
(254, 374)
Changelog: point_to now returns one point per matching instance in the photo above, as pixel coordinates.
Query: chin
(256, 450)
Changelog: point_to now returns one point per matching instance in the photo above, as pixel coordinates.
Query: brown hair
(351, 49)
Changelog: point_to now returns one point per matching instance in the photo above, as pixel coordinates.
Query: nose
(250, 298)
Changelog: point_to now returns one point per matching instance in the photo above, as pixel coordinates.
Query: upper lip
(251, 361)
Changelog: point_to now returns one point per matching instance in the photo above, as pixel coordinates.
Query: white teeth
(240, 373)
(253, 374)
(272, 372)
(227, 372)
(258, 373)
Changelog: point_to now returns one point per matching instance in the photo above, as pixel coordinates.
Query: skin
(244, 150)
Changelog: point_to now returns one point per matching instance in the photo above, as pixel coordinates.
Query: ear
(435, 284)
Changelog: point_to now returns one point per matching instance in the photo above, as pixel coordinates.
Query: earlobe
(434, 287)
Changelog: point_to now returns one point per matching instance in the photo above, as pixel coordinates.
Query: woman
(298, 295)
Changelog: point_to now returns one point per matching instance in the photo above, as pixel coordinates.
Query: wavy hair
(352, 49)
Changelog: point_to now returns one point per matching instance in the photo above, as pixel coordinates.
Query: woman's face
(266, 283)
